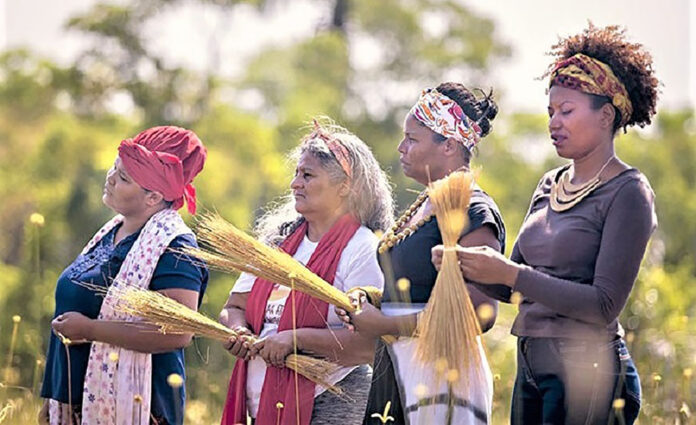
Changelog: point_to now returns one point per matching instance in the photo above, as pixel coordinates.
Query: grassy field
(668, 388)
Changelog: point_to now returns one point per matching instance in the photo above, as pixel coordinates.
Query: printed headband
(588, 75)
(445, 117)
(335, 146)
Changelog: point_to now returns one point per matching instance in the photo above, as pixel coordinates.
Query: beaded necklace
(394, 236)
(565, 195)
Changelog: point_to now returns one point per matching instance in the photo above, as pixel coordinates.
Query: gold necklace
(565, 195)
(393, 236)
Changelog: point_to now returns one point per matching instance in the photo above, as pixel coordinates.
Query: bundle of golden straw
(172, 317)
(229, 249)
(448, 329)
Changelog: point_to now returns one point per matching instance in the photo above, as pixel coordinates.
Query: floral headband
(445, 117)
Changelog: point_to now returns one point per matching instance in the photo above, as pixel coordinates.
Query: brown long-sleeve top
(581, 263)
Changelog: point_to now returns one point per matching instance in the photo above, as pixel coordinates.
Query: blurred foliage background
(58, 136)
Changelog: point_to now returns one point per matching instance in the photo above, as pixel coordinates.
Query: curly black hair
(482, 110)
(630, 62)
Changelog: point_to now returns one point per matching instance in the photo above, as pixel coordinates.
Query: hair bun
(487, 110)
(481, 109)
(488, 107)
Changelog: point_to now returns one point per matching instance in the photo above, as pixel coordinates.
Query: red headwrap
(165, 160)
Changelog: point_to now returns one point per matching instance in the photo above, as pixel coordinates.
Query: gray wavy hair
(370, 198)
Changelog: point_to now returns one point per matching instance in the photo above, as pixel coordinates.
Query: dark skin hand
(141, 337)
(274, 348)
(337, 345)
(240, 346)
(74, 326)
(371, 322)
(232, 316)
(481, 264)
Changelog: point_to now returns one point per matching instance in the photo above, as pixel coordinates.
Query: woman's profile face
(419, 156)
(315, 194)
(121, 193)
(575, 127)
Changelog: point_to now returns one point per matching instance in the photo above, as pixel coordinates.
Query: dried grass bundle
(448, 329)
(229, 249)
(172, 317)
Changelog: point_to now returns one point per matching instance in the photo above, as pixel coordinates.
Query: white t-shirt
(357, 267)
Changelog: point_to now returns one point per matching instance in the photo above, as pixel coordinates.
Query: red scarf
(279, 383)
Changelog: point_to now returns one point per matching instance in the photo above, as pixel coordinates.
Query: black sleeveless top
(410, 259)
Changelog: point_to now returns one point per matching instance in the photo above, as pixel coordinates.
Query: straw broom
(448, 328)
(172, 317)
(229, 249)
(226, 248)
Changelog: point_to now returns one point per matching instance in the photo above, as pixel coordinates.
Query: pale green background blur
(247, 75)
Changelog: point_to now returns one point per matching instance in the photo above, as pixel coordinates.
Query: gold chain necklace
(393, 236)
(565, 195)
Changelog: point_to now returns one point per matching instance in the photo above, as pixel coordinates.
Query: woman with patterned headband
(339, 197)
(582, 241)
(112, 369)
(440, 133)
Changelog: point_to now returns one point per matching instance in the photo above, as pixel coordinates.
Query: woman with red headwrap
(582, 241)
(112, 372)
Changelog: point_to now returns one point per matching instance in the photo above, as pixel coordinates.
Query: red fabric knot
(165, 159)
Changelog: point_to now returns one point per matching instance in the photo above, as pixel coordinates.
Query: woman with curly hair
(581, 244)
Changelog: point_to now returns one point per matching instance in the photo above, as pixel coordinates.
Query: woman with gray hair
(339, 197)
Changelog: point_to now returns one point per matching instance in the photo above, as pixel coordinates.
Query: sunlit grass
(661, 336)
(667, 387)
